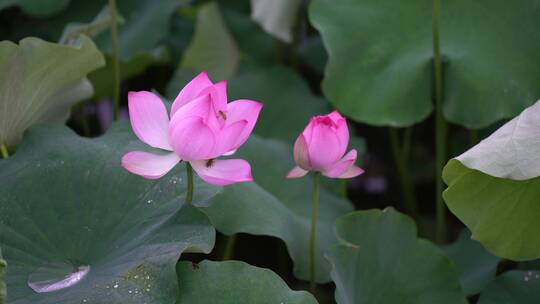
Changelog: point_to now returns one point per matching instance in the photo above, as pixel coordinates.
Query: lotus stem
(116, 64)
(314, 215)
(343, 191)
(407, 140)
(440, 126)
(401, 161)
(4, 151)
(229, 247)
(189, 173)
(474, 137)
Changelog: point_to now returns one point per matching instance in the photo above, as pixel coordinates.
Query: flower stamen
(223, 115)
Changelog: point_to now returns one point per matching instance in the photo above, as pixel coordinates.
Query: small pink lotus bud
(320, 147)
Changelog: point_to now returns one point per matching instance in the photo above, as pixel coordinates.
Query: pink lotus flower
(321, 146)
(202, 127)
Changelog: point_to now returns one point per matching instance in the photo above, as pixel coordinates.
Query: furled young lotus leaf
(67, 207)
(381, 260)
(494, 187)
(39, 81)
(234, 282)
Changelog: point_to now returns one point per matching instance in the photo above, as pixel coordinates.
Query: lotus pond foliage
(269, 151)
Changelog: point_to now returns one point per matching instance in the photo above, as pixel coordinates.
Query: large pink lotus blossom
(202, 127)
(320, 147)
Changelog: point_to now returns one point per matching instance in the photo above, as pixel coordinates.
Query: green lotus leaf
(146, 24)
(313, 54)
(234, 282)
(476, 266)
(276, 17)
(494, 187)
(69, 210)
(37, 8)
(255, 44)
(212, 47)
(502, 214)
(39, 81)
(381, 260)
(101, 22)
(380, 59)
(275, 206)
(103, 78)
(521, 287)
(511, 152)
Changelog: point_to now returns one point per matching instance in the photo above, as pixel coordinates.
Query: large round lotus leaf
(381, 260)
(380, 58)
(66, 203)
(521, 287)
(275, 206)
(38, 8)
(39, 81)
(2, 283)
(476, 266)
(234, 282)
(502, 214)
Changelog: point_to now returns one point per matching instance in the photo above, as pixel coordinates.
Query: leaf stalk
(116, 64)
(401, 161)
(440, 126)
(4, 151)
(189, 174)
